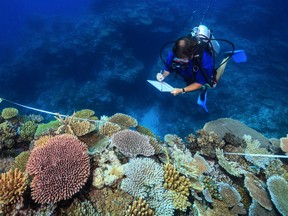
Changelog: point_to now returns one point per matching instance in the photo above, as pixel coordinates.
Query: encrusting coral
(59, 169)
(12, 186)
(139, 207)
(278, 189)
(132, 143)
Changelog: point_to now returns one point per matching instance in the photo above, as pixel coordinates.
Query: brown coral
(124, 120)
(110, 202)
(173, 181)
(139, 207)
(132, 143)
(109, 128)
(12, 186)
(59, 169)
(81, 128)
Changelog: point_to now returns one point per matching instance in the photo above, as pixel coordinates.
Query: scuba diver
(193, 58)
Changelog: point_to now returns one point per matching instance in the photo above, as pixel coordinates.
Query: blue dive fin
(202, 98)
(238, 56)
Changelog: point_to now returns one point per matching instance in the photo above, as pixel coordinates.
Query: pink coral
(132, 143)
(59, 169)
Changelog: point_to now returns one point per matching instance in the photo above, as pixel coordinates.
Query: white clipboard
(161, 86)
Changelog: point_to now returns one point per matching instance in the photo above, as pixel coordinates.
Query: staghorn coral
(21, 161)
(142, 176)
(9, 113)
(123, 120)
(284, 144)
(110, 202)
(257, 191)
(12, 186)
(173, 181)
(109, 128)
(253, 147)
(139, 207)
(278, 189)
(132, 143)
(59, 169)
(231, 167)
(208, 143)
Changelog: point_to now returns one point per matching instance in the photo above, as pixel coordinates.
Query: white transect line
(43, 111)
(258, 155)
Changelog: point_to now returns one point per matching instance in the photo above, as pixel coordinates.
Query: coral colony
(85, 165)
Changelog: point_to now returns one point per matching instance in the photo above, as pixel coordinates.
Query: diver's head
(184, 47)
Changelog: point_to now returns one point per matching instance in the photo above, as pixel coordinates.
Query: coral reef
(27, 131)
(12, 186)
(9, 113)
(21, 161)
(85, 114)
(139, 207)
(142, 176)
(59, 169)
(278, 189)
(109, 128)
(284, 144)
(257, 191)
(80, 209)
(123, 120)
(132, 143)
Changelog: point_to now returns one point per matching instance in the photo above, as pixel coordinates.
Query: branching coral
(12, 186)
(9, 113)
(231, 167)
(253, 147)
(278, 189)
(27, 131)
(110, 202)
(43, 140)
(109, 128)
(257, 191)
(59, 169)
(123, 120)
(132, 143)
(142, 176)
(139, 207)
(8, 134)
(81, 128)
(21, 161)
(209, 142)
(81, 209)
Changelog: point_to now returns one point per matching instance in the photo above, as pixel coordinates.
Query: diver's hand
(160, 77)
(176, 91)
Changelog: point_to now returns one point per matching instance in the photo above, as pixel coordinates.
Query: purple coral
(132, 143)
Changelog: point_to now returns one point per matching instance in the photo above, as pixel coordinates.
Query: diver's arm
(189, 88)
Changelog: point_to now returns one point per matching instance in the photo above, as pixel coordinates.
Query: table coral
(132, 143)
(123, 120)
(109, 128)
(278, 189)
(59, 169)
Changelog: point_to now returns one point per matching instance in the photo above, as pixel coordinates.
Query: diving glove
(160, 77)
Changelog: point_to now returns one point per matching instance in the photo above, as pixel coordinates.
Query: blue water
(64, 56)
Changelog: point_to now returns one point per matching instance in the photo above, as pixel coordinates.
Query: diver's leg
(221, 69)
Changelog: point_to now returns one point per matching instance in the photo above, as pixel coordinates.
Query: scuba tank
(203, 33)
